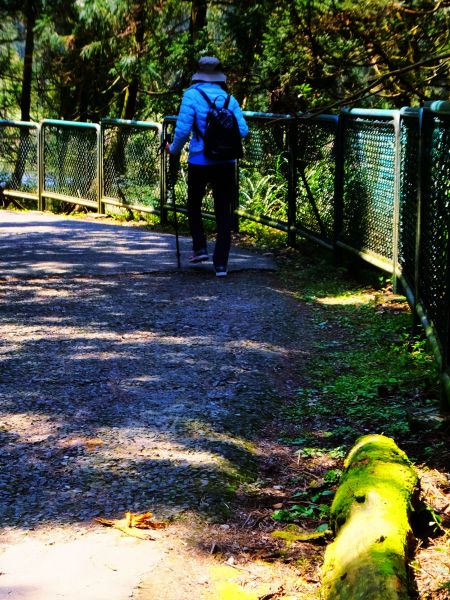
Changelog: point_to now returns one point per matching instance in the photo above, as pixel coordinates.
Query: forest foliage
(89, 59)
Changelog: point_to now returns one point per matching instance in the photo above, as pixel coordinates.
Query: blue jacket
(194, 107)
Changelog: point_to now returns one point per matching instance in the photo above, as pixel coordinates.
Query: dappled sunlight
(203, 431)
(347, 299)
(54, 245)
(28, 427)
(67, 332)
(142, 395)
(114, 468)
(142, 379)
(90, 354)
(42, 267)
(131, 451)
(53, 292)
(142, 336)
(209, 298)
(82, 342)
(254, 345)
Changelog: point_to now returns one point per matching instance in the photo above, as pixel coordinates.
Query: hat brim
(211, 77)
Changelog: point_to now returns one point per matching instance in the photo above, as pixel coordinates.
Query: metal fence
(131, 165)
(375, 183)
(431, 282)
(369, 191)
(19, 160)
(314, 149)
(70, 162)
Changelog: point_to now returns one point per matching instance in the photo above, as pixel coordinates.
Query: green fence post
(40, 166)
(291, 142)
(338, 186)
(396, 208)
(420, 188)
(162, 174)
(99, 182)
(444, 109)
(165, 180)
(445, 375)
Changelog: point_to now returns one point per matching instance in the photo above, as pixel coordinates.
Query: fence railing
(375, 183)
(70, 161)
(19, 159)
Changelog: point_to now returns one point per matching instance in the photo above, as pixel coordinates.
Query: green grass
(368, 371)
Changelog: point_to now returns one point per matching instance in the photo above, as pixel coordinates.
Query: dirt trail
(130, 391)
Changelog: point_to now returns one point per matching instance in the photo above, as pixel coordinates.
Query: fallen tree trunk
(370, 518)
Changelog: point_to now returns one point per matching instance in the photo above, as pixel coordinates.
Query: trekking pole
(174, 163)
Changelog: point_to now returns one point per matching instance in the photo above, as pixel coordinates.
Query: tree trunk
(198, 18)
(370, 518)
(130, 100)
(25, 98)
(30, 13)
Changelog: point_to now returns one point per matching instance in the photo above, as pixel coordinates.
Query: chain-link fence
(71, 162)
(131, 165)
(174, 178)
(315, 169)
(19, 173)
(271, 190)
(410, 137)
(368, 195)
(265, 195)
(433, 269)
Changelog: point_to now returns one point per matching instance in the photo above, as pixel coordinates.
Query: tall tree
(31, 10)
(198, 18)
(327, 51)
(86, 59)
(137, 23)
(26, 12)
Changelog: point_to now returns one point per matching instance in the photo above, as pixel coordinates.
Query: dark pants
(222, 178)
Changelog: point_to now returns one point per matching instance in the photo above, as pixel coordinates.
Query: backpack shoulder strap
(226, 101)
(205, 96)
(198, 133)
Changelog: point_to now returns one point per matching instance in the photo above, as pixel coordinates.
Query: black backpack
(222, 138)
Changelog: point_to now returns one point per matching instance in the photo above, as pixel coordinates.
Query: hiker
(219, 173)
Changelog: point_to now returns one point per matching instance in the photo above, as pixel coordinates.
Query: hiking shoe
(199, 256)
(221, 271)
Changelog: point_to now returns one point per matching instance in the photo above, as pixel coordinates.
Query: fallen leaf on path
(133, 521)
(144, 521)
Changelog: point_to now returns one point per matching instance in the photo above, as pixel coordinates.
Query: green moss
(377, 447)
(370, 516)
(290, 536)
(374, 463)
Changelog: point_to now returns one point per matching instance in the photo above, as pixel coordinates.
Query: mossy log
(370, 519)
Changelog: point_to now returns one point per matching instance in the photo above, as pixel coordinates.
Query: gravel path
(130, 391)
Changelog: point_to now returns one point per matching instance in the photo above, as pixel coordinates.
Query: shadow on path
(37, 244)
(131, 391)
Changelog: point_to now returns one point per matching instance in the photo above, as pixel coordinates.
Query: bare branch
(370, 90)
(412, 11)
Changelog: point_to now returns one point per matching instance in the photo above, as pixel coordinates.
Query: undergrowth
(371, 371)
